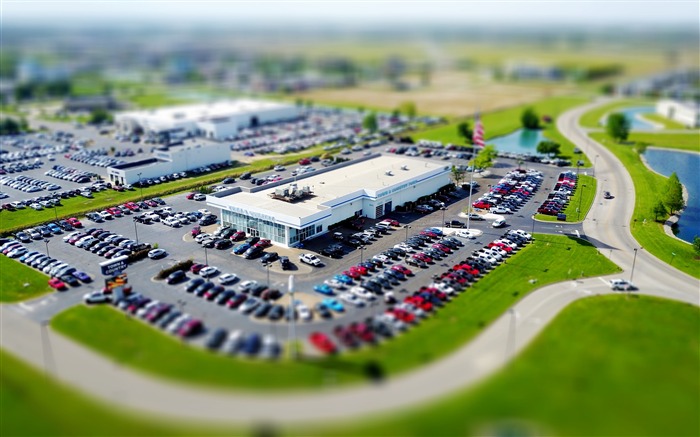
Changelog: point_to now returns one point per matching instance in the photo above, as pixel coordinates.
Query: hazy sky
(351, 13)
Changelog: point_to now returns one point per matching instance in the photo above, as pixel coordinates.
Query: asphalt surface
(605, 226)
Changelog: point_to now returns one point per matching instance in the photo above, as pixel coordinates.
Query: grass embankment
(550, 259)
(592, 119)
(648, 232)
(607, 365)
(503, 122)
(13, 221)
(584, 195)
(689, 141)
(660, 119)
(19, 282)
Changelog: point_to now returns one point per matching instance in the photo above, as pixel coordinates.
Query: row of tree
(672, 198)
(10, 126)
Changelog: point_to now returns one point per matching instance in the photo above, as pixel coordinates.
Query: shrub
(182, 265)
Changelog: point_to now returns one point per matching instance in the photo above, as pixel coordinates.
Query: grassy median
(136, 344)
(592, 119)
(648, 232)
(19, 282)
(583, 197)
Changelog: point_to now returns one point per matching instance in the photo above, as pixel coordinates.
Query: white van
(499, 223)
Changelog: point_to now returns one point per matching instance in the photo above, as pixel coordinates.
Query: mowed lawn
(19, 282)
(648, 188)
(584, 195)
(134, 343)
(606, 366)
(680, 141)
(592, 119)
(660, 119)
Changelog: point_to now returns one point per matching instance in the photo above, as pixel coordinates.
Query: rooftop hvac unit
(404, 167)
(389, 173)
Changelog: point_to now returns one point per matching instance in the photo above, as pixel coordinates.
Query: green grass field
(592, 119)
(19, 282)
(607, 365)
(502, 122)
(141, 346)
(666, 122)
(583, 196)
(689, 141)
(644, 228)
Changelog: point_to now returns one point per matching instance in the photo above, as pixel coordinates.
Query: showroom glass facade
(254, 227)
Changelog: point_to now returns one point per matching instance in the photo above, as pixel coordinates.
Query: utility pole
(292, 321)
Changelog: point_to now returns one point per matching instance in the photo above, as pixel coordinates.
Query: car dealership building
(290, 211)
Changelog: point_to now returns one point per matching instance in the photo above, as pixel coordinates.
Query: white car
(465, 234)
(507, 243)
(351, 298)
(622, 284)
(228, 278)
(199, 196)
(362, 293)
(204, 211)
(487, 257)
(499, 223)
(521, 233)
(304, 312)
(246, 286)
(96, 297)
(157, 253)
(207, 272)
(405, 247)
(172, 222)
(382, 258)
(234, 342)
(334, 283)
(500, 210)
(201, 237)
(310, 258)
(279, 168)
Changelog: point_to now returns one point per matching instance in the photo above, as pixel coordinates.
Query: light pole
(46, 240)
(136, 231)
(443, 215)
(533, 224)
(580, 197)
(594, 162)
(267, 267)
(407, 227)
(206, 256)
(362, 249)
(634, 260)
(140, 185)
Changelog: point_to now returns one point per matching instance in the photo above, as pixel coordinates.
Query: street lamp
(267, 267)
(362, 249)
(136, 231)
(634, 260)
(594, 162)
(407, 227)
(46, 240)
(443, 215)
(533, 224)
(140, 185)
(206, 256)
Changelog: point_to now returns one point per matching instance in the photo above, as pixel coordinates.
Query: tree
(618, 126)
(465, 131)
(696, 245)
(370, 122)
(548, 148)
(457, 175)
(659, 210)
(530, 119)
(9, 126)
(408, 108)
(674, 194)
(99, 116)
(485, 157)
(396, 113)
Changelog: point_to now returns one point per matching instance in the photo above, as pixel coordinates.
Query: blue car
(54, 228)
(324, 289)
(334, 305)
(241, 248)
(435, 231)
(345, 279)
(82, 276)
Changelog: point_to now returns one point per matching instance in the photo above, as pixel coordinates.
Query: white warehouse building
(167, 160)
(371, 188)
(217, 121)
(686, 113)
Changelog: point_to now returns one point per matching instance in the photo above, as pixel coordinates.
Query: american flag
(478, 137)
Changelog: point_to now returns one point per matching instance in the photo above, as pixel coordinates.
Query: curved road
(606, 226)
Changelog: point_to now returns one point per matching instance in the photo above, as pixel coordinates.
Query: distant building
(89, 103)
(216, 121)
(687, 113)
(167, 160)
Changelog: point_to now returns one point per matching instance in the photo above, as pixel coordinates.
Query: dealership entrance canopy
(291, 211)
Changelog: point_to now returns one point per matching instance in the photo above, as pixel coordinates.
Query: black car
(193, 284)
(253, 252)
(223, 243)
(285, 263)
(245, 176)
(323, 311)
(23, 237)
(276, 312)
(262, 310)
(354, 242)
(225, 296)
(176, 276)
(207, 220)
(269, 257)
(252, 240)
(203, 288)
(216, 339)
(455, 224)
(258, 290)
(228, 181)
(70, 280)
(332, 252)
(371, 286)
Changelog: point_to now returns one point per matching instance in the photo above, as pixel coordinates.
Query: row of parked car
(94, 157)
(422, 302)
(61, 273)
(28, 184)
(70, 174)
(511, 192)
(558, 198)
(48, 230)
(102, 243)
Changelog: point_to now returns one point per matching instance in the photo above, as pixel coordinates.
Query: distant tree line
(32, 90)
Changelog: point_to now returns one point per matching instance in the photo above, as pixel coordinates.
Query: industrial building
(686, 113)
(167, 160)
(291, 211)
(217, 121)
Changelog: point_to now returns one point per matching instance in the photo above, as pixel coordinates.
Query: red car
(354, 274)
(467, 268)
(305, 161)
(362, 332)
(345, 336)
(75, 222)
(430, 234)
(423, 257)
(151, 203)
(190, 328)
(197, 267)
(132, 206)
(419, 302)
(115, 211)
(501, 246)
(57, 284)
(403, 269)
(481, 205)
(238, 236)
(360, 269)
(190, 196)
(442, 247)
(236, 301)
(435, 292)
(393, 222)
(402, 315)
(263, 243)
(322, 343)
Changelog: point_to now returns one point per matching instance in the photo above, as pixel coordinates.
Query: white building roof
(203, 112)
(374, 178)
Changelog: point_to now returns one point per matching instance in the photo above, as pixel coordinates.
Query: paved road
(606, 226)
